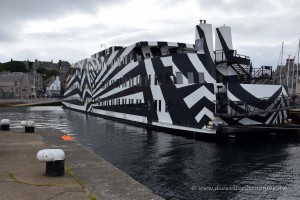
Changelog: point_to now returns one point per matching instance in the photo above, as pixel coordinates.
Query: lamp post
(33, 93)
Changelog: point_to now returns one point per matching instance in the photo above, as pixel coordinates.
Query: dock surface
(87, 175)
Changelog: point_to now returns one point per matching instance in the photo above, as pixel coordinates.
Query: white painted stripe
(152, 43)
(135, 118)
(157, 95)
(197, 95)
(185, 128)
(200, 68)
(167, 61)
(190, 46)
(203, 112)
(127, 50)
(124, 71)
(270, 118)
(111, 57)
(247, 121)
(138, 95)
(261, 91)
(231, 96)
(173, 44)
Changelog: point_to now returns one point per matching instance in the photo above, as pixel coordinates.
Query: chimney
(204, 39)
(223, 38)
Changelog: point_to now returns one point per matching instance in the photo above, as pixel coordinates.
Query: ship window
(137, 81)
(179, 79)
(157, 79)
(201, 77)
(146, 80)
(155, 105)
(149, 79)
(159, 105)
(149, 105)
(167, 106)
(190, 77)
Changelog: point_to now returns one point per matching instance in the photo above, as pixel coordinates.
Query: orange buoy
(67, 137)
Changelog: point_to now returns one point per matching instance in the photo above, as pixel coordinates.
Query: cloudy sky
(74, 29)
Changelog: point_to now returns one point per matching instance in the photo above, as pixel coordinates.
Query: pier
(87, 175)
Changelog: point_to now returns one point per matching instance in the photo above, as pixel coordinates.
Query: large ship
(177, 86)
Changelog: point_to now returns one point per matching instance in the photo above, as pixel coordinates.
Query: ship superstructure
(190, 87)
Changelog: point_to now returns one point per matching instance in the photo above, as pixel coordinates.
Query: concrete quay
(87, 176)
(21, 102)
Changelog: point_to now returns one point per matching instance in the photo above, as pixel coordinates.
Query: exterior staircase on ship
(242, 66)
(246, 74)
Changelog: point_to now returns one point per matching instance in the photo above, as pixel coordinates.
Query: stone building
(15, 85)
(287, 76)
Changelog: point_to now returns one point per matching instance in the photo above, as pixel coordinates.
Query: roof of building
(11, 77)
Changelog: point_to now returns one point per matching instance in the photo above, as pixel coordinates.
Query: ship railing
(261, 106)
(220, 55)
(264, 72)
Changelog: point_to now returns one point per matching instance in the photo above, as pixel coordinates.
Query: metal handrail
(291, 102)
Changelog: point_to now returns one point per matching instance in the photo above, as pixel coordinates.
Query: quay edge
(99, 176)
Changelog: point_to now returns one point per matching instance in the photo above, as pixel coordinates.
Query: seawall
(99, 177)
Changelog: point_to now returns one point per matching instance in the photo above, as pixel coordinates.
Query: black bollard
(5, 127)
(55, 161)
(55, 168)
(29, 129)
(4, 124)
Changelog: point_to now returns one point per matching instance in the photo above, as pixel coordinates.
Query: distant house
(53, 87)
(14, 85)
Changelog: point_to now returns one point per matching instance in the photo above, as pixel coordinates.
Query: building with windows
(15, 85)
(53, 87)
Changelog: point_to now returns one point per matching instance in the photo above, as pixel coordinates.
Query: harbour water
(176, 167)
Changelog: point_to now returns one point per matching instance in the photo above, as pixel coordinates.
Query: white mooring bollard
(29, 126)
(55, 161)
(4, 123)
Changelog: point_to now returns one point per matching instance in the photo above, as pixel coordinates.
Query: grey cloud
(14, 13)
(23, 10)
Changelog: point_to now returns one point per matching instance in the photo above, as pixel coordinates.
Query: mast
(297, 68)
(288, 73)
(281, 54)
(293, 75)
